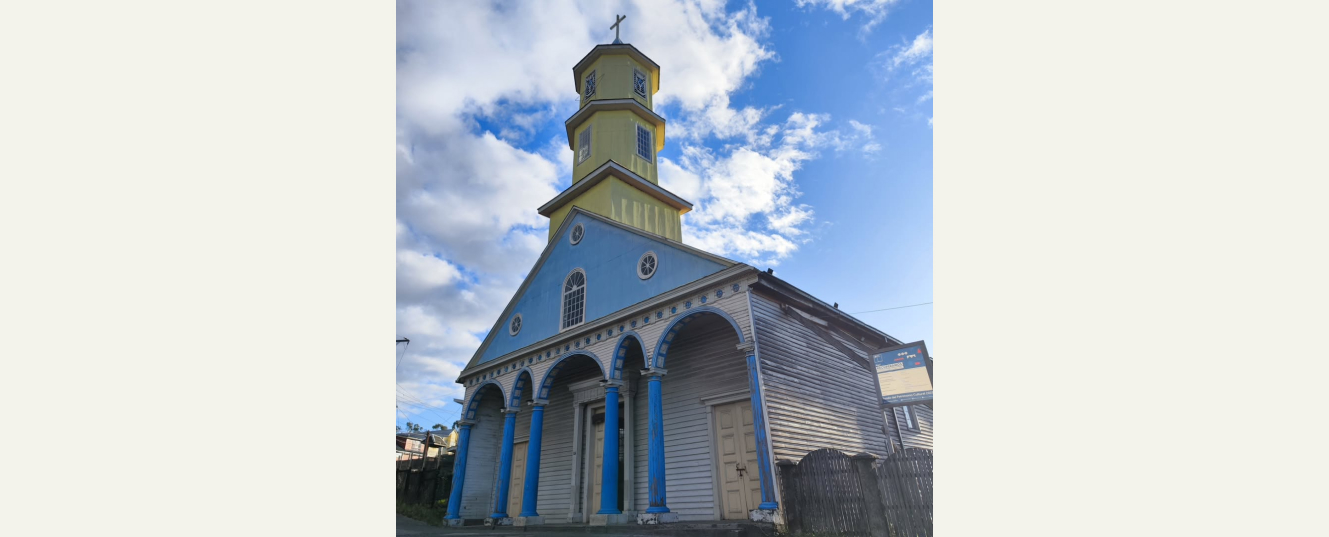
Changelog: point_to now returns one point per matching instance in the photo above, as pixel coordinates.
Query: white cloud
(909, 63)
(874, 10)
(475, 81)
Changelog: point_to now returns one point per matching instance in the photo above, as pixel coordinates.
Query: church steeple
(615, 136)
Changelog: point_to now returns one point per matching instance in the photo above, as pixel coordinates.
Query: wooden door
(740, 488)
(597, 464)
(517, 485)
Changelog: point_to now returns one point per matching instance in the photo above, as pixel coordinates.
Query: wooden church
(635, 378)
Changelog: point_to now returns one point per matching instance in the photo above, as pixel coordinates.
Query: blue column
(656, 466)
(505, 464)
(533, 459)
(609, 467)
(459, 468)
(768, 500)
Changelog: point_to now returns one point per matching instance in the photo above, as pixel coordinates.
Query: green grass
(430, 514)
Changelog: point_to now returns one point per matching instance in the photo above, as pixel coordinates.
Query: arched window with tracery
(574, 299)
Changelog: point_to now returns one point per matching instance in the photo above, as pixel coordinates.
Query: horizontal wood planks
(815, 396)
(702, 361)
(477, 493)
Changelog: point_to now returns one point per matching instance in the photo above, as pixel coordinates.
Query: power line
(895, 308)
(403, 351)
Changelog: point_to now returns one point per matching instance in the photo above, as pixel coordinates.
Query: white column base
(605, 520)
(505, 521)
(657, 518)
(528, 521)
(771, 516)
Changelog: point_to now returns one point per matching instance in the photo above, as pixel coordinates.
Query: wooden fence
(424, 480)
(829, 492)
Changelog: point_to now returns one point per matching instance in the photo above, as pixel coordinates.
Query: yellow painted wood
(597, 469)
(613, 75)
(614, 137)
(624, 203)
(518, 482)
(740, 487)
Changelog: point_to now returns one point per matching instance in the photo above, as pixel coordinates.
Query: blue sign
(904, 374)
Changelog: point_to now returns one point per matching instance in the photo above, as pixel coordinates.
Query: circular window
(646, 265)
(514, 326)
(578, 231)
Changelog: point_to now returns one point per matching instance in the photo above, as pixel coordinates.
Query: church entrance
(598, 431)
(518, 483)
(740, 487)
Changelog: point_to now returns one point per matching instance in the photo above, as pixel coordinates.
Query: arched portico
(739, 356)
(621, 352)
(680, 322)
(480, 429)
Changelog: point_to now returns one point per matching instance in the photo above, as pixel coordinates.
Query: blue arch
(475, 397)
(682, 320)
(621, 353)
(548, 380)
(520, 388)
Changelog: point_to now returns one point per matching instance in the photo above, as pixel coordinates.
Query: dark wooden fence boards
(829, 492)
(424, 480)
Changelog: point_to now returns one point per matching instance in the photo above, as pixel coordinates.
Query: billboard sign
(904, 374)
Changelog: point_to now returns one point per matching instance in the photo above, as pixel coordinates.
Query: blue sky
(800, 130)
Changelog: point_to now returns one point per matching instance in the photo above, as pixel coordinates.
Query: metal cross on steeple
(618, 19)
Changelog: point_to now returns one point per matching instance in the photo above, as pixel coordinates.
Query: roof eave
(616, 104)
(610, 167)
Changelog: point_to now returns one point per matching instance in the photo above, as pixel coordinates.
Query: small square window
(644, 148)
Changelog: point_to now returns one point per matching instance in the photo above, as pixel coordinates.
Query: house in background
(428, 444)
(635, 378)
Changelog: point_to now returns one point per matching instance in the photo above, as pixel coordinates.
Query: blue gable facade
(608, 253)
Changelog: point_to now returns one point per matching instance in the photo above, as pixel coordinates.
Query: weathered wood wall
(922, 438)
(477, 493)
(555, 496)
(703, 361)
(815, 396)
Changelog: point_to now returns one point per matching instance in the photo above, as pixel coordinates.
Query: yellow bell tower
(615, 136)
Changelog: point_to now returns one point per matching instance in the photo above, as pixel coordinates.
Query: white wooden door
(517, 484)
(597, 466)
(740, 488)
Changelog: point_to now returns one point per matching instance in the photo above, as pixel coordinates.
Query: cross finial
(617, 20)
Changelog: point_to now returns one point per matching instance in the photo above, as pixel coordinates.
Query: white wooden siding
(477, 496)
(702, 361)
(815, 396)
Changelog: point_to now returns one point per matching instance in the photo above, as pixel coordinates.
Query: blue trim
(532, 484)
(504, 466)
(514, 401)
(655, 460)
(766, 477)
(547, 381)
(609, 470)
(657, 360)
(475, 397)
(616, 369)
(459, 471)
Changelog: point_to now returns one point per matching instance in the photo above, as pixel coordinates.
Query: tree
(438, 426)
(399, 428)
(414, 427)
